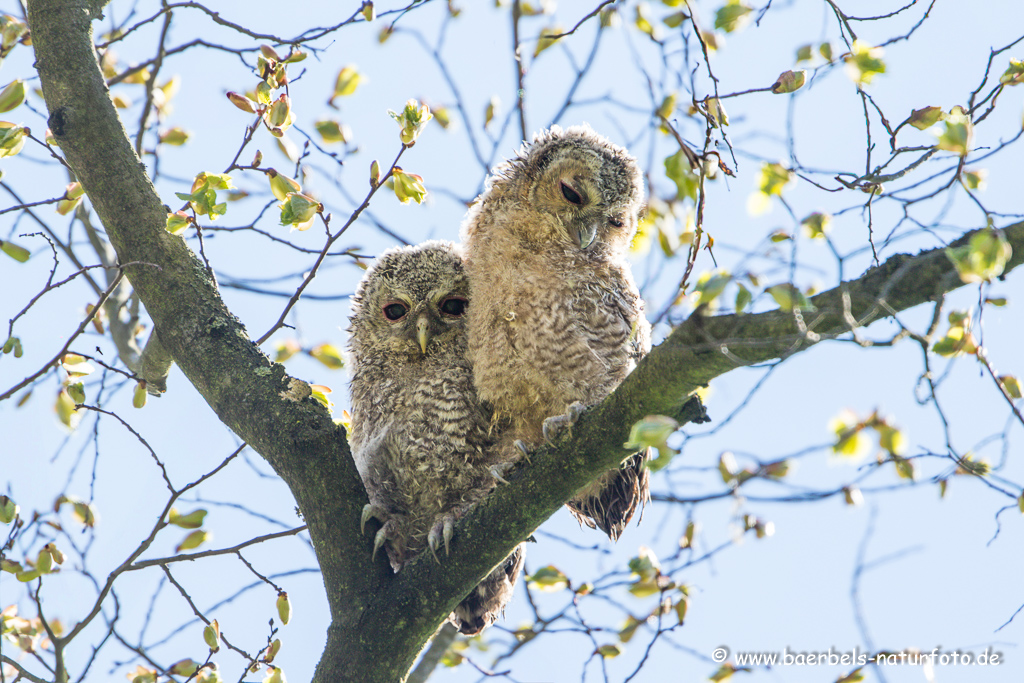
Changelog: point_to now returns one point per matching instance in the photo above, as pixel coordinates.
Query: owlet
(419, 434)
(557, 321)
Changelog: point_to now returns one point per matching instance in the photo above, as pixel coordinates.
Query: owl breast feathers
(557, 320)
(420, 436)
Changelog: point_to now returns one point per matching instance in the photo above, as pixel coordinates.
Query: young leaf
(864, 62)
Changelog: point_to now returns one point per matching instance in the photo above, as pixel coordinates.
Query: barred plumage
(557, 319)
(420, 437)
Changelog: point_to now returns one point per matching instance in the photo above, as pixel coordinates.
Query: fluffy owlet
(419, 434)
(557, 321)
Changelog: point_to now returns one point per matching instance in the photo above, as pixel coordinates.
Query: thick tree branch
(381, 620)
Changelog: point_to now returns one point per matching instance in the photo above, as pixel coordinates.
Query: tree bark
(381, 620)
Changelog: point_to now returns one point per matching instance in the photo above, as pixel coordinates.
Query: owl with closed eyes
(420, 436)
(557, 320)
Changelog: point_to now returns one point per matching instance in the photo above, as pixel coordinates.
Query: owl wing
(487, 601)
(621, 335)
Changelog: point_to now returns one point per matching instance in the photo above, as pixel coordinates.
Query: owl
(557, 321)
(420, 437)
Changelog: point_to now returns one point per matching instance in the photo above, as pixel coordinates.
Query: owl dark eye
(615, 222)
(571, 195)
(395, 311)
(454, 306)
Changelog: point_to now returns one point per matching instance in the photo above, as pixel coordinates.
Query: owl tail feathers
(487, 601)
(609, 503)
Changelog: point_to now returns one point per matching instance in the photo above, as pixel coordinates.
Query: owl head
(578, 189)
(410, 303)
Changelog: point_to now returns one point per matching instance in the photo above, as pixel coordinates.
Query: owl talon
(498, 471)
(558, 427)
(371, 511)
(443, 530)
(380, 539)
(447, 533)
(522, 448)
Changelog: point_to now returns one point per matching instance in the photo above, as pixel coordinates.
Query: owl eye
(395, 311)
(570, 194)
(615, 222)
(454, 306)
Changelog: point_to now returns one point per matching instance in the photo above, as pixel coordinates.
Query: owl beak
(584, 235)
(423, 333)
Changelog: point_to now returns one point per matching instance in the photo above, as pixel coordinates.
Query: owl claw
(443, 529)
(371, 511)
(498, 471)
(380, 539)
(557, 427)
(522, 448)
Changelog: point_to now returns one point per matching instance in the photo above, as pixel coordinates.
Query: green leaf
(732, 16)
(817, 225)
(609, 651)
(284, 607)
(299, 210)
(789, 81)
(192, 520)
(864, 62)
(408, 186)
(804, 53)
(412, 120)
(678, 170)
(773, 178)
(628, 629)
(904, 467)
(653, 432)
(1014, 74)
(211, 635)
(743, 298)
(975, 178)
(544, 41)
(329, 355)
(710, 286)
(12, 96)
(957, 133)
(675, 20)
(8, 510)
(984, 256)
(19, 254)
(203, 197)
(333, 131)
(549, 579)
(193, 540)
(926, 117)
(788, 297)
(348, 80)
(175, 136)
(12, 139)
(643, 21)
(1011, 385)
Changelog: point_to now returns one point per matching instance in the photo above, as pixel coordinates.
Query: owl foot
(558, 427)
(371, 511)
(443, 529)
(388, 530)
(498, 471)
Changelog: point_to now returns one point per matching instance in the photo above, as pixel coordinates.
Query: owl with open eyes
(557, 320)
(420, 437)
